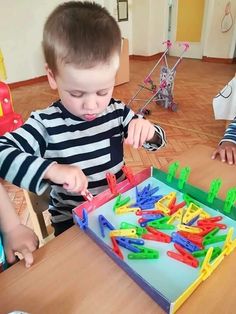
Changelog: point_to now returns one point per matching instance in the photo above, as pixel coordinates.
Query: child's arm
(227, 146)
(16, 237)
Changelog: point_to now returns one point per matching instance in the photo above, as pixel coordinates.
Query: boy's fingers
(222, 155)
(10, 256)
(229, 156)
(28, 256)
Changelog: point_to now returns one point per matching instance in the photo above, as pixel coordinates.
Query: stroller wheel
(146, 112)
(173, 107)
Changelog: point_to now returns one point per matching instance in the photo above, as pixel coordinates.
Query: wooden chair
(36, 206)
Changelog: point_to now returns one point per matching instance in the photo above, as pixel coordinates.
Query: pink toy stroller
(162, 94)
(9, 120)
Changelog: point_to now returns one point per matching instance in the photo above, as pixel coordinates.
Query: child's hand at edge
(139, 131)
(71, 177)
(226, 152)
(20, 239)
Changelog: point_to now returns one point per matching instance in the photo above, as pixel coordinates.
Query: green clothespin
(145, 253)
(161, 224)
(188, 199)
(214, 189)
(183, 177)
(172, 170)
(230, 200)
(127, 225)
(119, 202)
(211, 238)
(215, 253)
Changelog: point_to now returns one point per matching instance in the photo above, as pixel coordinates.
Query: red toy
(9, 120)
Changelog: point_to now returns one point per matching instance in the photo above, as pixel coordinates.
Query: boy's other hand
(139, 131)
(71, 177)
(226, 152)
(20, 239)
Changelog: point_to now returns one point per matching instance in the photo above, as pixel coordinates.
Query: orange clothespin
(111, 180)
(129, 175)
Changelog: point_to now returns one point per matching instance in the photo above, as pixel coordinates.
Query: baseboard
(218, 60)
(35, 80)
(146, 58)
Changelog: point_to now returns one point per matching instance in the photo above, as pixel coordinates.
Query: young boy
(16, 237)
(72, 144)
(227, 146)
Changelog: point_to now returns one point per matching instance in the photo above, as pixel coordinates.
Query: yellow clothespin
(192, 211)
(190, 229)
(177, 216)
(123, 233)
(204, 215)
(229, 244)
(3, 74)
(164, 202)
(208, 268)
(126, 209)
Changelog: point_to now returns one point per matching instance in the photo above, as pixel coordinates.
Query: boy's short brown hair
(81, 33)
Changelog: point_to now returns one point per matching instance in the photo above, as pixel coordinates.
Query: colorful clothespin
(172, 170)
(82, 222)
(183, 177)
(229, 244)
(179, 239)
(183, 256)
(103, 222)
(87, 196)
(213, 221)
(192, 211)
(189, 229)
(230, 200)
(144, 221)
(145, 253)
(129, 175)
(116, 248)
(195, 238)
(212, 238)
(119, 202)
(126, 209)
(156, 235)
(177, 216)
(206, 229)
(215, 253)
(214, 189)
(174, 208)
(128, 243)
(161, 223)
(111, 181)
(147, 212)
(139, 230)
(164, 203)
(123, 233)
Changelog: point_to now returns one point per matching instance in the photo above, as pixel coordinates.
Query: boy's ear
(51, 78)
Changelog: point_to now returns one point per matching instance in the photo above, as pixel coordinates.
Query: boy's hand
(227, 153)
(139, 131)
(20, 239)
(71, 177)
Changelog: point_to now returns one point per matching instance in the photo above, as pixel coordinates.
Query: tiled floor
(196, 83)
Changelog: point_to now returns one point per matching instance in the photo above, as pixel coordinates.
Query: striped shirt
(55, 135)
(230, 133)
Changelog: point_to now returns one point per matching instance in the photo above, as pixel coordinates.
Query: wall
(218, 44)
(21, 27)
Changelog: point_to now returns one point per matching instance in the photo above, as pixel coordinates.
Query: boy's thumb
(11, 258)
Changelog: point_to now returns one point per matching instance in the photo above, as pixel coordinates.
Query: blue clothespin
(179, 239)
(82, 222)
(103, 222)
(127, 243)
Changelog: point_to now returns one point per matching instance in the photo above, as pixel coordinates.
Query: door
(186, 24)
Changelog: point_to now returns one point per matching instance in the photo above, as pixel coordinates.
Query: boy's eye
(76, 95)
(102, 93)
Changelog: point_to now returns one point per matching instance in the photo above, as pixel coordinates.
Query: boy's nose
(90, 102)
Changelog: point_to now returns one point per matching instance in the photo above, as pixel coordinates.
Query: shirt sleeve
(21, 156)
(230, 133)
(161, 140)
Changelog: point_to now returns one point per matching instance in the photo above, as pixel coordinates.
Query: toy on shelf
(162, 93)
(9, 120)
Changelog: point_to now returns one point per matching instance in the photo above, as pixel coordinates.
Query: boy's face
(85, 92)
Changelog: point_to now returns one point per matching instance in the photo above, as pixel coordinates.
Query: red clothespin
(195, 238)
(184, 256)
(140, 212)
(206, 229)
(111, 180)
(176, 207)
(116, 248)
(156, 235)
(87, 196)
(213, 221)
(172, 203)
(129, 175)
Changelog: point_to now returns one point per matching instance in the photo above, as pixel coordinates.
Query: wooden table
(71, 274)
